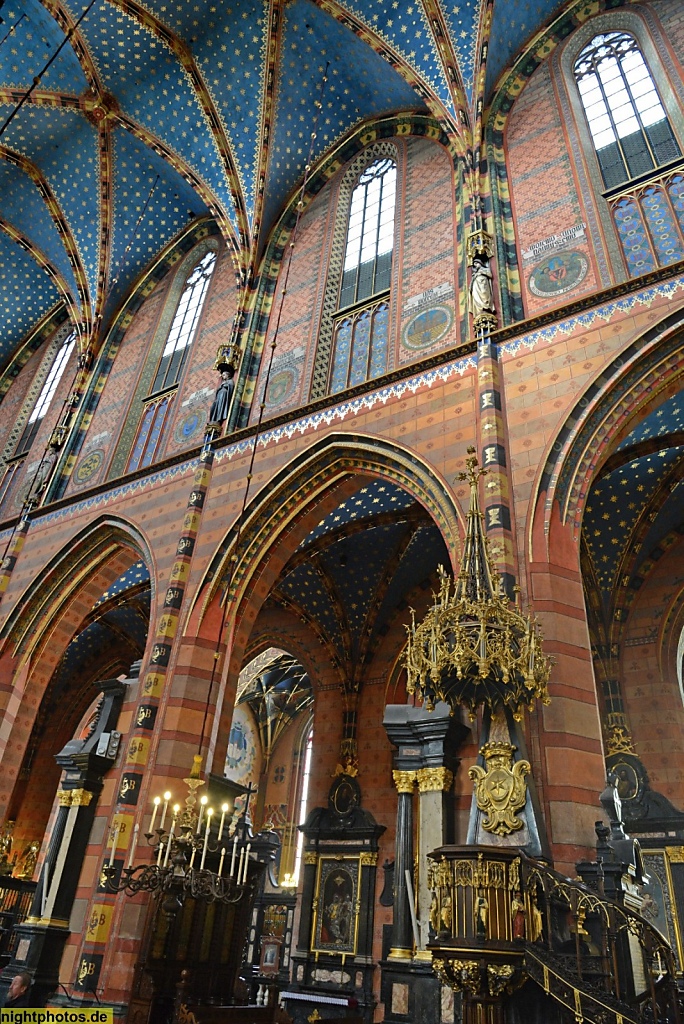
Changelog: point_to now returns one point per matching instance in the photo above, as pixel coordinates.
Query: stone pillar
(402, 932)
(434, 785)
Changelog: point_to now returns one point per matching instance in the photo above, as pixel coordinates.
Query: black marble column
(402, 930)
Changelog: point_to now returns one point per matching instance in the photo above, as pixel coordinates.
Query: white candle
(224, 808)
(192, 856)
(157, 801)
(206, 837)
(242, 854)
(132, 849)
(159, 854)
(232, 859)
(244, 873)
(203, 804)
(223, 854)
(173, 829)
(167, 797)
(115, 833)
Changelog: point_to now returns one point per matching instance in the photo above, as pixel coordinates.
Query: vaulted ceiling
(154, 114)
(634, 508)
(356, 571)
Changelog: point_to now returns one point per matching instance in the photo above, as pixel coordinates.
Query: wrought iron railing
(649, 218)
(498, 917)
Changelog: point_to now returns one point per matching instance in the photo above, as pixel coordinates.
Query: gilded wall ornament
(460, 975)
(501, 789)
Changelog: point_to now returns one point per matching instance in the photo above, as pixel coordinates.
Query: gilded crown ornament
(473, 648)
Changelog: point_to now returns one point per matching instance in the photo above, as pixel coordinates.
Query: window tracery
(361, 333)
(47, 393)
(171, 363)
(627, 121)
(333, 311)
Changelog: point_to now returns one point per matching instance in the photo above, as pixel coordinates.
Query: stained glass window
(626, 117)
(184, 324)
(360, 346)
(149, 434)
(47, 393)
(370, 234)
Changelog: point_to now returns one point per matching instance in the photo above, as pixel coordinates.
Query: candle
(232, 859)
(244, 873)
(242, 854)
(132, 849)
(203, 804)
(157, 801)
(192, 856)
(159, 854)
(167, 797)
(206, 837)
(223, 854)
(224, 808)
(176, 809)
(115, 833)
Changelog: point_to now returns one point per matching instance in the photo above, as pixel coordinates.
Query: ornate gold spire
(472, 648)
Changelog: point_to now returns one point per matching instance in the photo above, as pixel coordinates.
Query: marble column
(402, 931)
(434, 785)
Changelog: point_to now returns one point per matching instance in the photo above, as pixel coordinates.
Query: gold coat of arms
(500, 789)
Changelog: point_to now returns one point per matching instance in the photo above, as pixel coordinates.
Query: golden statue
(500, 790)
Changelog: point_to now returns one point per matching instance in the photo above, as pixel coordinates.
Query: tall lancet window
(181, 335)
(362, 325)
(626, 117)
(47, 393)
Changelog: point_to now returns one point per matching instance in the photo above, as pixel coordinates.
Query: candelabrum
(173, 875)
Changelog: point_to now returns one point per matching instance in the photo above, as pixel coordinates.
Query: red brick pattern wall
(112, 409)
(544, 192)
(428, 248)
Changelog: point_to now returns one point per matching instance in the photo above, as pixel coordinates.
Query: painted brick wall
(110, 414)
(671, 15)
(427, 254)
(425, 242)
(191, 406)
(293, 359)
(544, 193)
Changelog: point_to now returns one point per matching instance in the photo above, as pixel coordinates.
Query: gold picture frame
(336, 904)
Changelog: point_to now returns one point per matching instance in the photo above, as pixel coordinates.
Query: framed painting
(336, 913)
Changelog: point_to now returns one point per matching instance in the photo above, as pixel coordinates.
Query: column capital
(434, 780)
(404, 781)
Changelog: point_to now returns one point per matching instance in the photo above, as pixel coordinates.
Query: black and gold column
(402, 929)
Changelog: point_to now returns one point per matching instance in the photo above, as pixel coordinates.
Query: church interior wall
(650, 687)
(425, 243)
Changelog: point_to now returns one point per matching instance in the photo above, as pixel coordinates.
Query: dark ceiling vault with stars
(634, 506)
(355, 572)
(155, 114)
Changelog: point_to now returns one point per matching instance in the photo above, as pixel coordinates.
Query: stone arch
(277, 521)
(640, 377)
(45, 620)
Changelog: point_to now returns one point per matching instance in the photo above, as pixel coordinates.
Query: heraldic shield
(500, 789)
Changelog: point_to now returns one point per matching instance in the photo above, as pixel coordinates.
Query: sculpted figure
(481, 294)
(224, 392)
